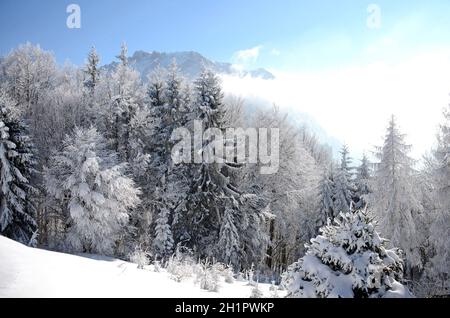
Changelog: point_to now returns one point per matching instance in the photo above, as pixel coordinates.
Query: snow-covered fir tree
(326, 199)
(253, 214)
(362, 181)
(125, 120)
(348, 259)
(127, 98)
(163, 242)
(212, 191)
(161, 115)
(169, 106)
(17, 210)
(251, 228)
(229, 241)
(176, 96)
(91, 80)
(140, 138)
(343, 186)
(92, 71)
(95, 194)
(440, 224)
(395, 200)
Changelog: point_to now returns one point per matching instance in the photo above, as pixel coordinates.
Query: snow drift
(32, 272)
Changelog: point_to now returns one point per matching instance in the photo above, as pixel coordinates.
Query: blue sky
(328, 62)
(290, 33)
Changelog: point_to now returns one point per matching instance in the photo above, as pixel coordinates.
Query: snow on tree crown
(348, 259)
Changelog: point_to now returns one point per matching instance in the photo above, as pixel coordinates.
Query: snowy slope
(31, 272)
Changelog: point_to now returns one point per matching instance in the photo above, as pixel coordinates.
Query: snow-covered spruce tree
(175, 114)
(212, 191)
(91, 80)
(343, 186)
(169, 110)
(326, 198)
(252, 230)
(139, 167)
(127, 98)
(394, 199)
(440, 224)
(347, 260)
(250, 222)
(362, 180)
(229, 240)
(95, 194)
(248, 213)
(17, 211)
(128, 126)
(163, 241)
(160, 113)
(92, 71)
(176, 97)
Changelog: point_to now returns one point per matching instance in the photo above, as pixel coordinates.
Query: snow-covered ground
(32, 272)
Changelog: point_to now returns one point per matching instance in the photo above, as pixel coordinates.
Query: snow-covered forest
(86, 166)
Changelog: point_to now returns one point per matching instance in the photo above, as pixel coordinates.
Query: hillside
(32, 272)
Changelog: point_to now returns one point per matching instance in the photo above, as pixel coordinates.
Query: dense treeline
(87, 166)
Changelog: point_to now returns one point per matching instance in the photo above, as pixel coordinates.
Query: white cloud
(247, 56)
(354, 103)
(275, 52)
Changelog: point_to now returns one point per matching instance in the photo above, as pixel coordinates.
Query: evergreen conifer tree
(17, 211)
(347, 260)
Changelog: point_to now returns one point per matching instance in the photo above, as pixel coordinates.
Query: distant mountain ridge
(190, 64)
